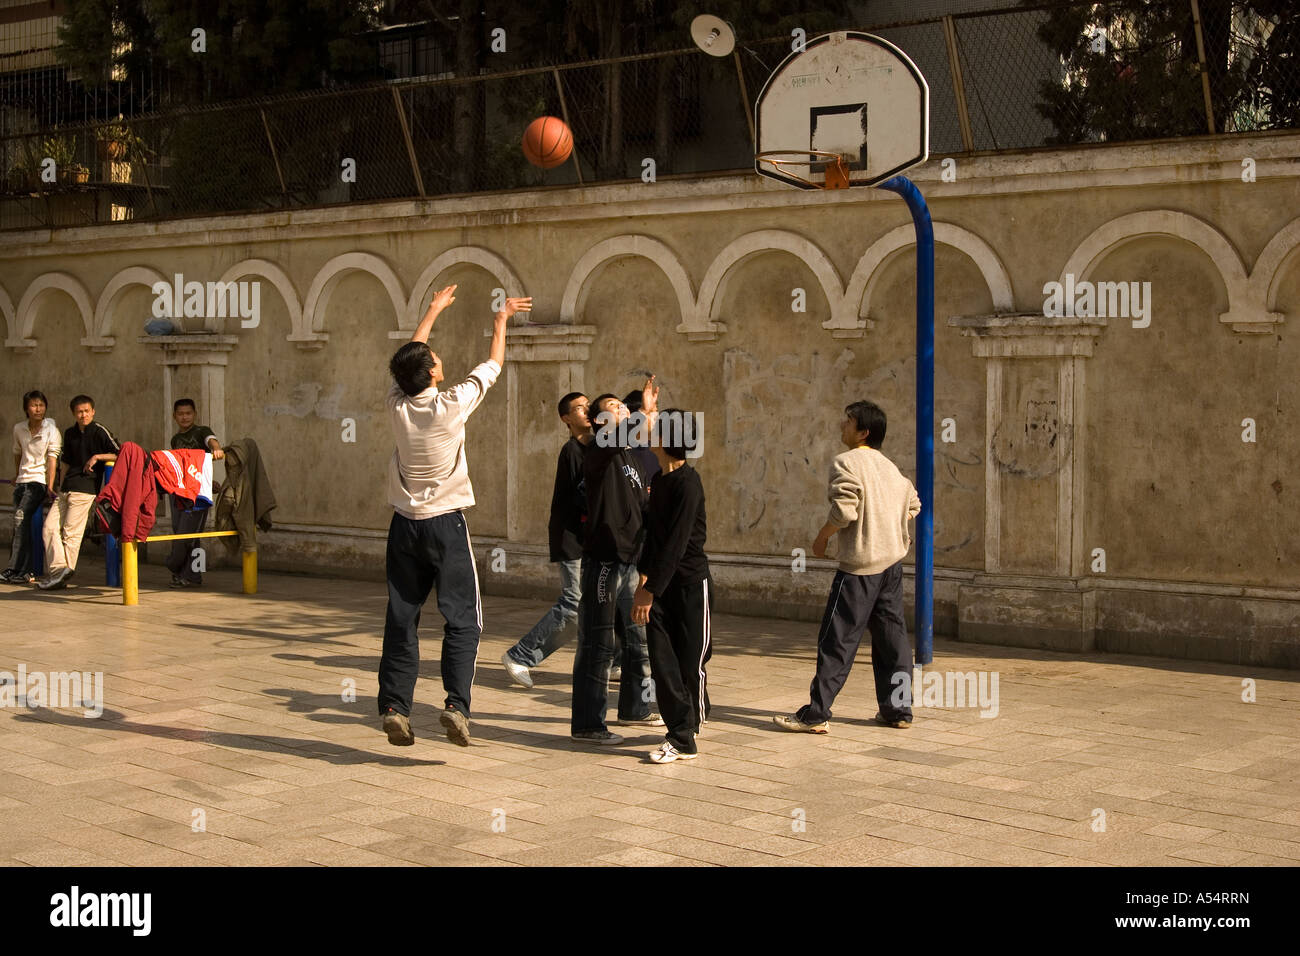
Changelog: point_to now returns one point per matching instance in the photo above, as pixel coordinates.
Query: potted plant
(114, 141)
(24, 174)
(60, 149)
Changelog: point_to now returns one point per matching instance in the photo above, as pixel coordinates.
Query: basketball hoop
(832, 165)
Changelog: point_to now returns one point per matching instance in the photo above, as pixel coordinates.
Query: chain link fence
(1025, 77)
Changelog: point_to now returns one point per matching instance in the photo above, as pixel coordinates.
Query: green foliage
(1131, 69)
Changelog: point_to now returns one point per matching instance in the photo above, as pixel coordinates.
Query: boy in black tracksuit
(673, 599)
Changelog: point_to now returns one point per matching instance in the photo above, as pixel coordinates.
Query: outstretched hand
(444, 298)
(522, 304)
(650, 396)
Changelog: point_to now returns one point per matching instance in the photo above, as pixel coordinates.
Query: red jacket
(132, 492)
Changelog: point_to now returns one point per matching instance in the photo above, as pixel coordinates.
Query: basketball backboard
(851, 95)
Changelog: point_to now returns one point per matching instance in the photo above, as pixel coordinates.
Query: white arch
(131, 275)
(1243, 313)
(322, 287)
(867, 272)
(473, 255)
(288, 292)
(620, 247)
(26, 313)
(1271, 264)
(11, 321)
(714, 286)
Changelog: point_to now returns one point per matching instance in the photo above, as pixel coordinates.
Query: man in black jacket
(86, 446)
(616, 500)
(568, 514)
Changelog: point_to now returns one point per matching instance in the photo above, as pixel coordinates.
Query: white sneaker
(654, 720)
(518, 672)
(667, 753)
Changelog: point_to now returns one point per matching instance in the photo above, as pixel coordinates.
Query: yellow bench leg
(250, 572)
(130, 575)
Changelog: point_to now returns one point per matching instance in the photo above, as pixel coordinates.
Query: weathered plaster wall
(1071, 435)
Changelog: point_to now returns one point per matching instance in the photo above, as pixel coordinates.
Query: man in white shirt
(871, 504)
(428, 539)
(37, 445)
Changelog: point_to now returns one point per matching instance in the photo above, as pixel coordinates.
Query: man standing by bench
(86, 445)
(428, 539)
(188, 517)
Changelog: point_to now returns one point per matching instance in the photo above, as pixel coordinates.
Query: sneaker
(57, 580)
(653, 720)
(901, 724)
(10, 576)
(602, 737)
(457, 726)
(793, 723)
(398, 728)
(177, 581)
(518, 672)
(667, 753)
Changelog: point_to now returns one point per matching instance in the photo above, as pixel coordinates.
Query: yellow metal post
(130, 575)
(250, 572)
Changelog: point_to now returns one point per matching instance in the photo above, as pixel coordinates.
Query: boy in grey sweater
(871, 505)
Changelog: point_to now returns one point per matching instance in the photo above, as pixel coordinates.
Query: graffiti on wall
(782, 430)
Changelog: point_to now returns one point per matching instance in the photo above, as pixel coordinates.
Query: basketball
(547, 142)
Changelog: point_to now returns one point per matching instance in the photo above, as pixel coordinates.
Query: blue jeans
(28, 496)
(607, 593)
(552, 631)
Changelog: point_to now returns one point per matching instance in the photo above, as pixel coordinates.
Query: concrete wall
(1098, 493)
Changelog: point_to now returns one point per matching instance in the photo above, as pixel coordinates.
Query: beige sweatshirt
(871, 504)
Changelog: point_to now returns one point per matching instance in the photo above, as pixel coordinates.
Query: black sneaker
(177, 581)
(456, 724)
(10, 576)
(398, 728)
(56, 581)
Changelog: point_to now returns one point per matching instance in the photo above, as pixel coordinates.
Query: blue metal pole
(924, 613)
(112, 553)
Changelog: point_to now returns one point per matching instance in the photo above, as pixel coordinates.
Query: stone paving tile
(250, 729)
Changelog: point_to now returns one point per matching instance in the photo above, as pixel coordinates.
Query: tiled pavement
(233, 706)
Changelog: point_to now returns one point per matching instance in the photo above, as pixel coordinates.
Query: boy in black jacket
(568, 516)
(673, 599)
(616, 499)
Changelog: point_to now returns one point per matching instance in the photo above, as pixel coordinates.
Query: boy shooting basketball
(428, 539)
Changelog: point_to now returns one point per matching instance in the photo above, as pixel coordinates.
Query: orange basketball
(547, 142)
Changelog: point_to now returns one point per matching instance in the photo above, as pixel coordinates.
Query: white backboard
(849, 93)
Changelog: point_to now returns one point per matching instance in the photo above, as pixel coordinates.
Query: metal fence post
(410, 146)
(958, 85)
(564, 113)
(275, 156)
(1205, 74)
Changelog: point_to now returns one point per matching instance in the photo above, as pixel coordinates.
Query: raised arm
(444, 298)
(497, 352)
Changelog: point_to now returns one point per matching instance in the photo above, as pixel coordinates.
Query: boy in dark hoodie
(616, 500)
